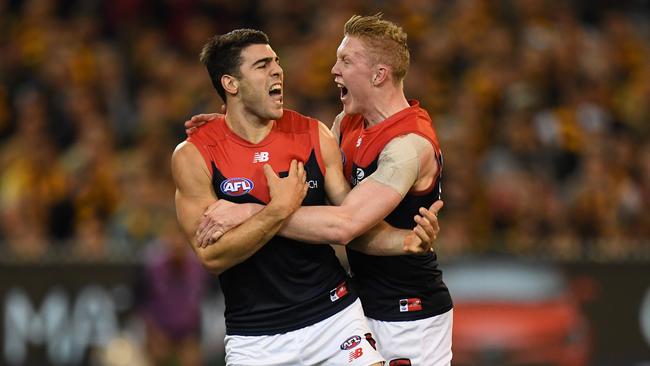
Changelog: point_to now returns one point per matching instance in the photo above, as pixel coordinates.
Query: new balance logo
(261, 157)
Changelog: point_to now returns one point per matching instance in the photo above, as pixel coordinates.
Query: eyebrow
(265, 60)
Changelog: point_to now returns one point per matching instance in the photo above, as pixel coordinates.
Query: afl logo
(236, 186)
(351, 342)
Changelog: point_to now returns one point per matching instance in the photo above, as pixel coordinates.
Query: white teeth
(275, 87)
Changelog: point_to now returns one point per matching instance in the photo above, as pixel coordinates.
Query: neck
(385, 102)
(247, 125)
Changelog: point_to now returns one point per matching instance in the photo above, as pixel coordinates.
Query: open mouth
(344, 90)
(275, 91)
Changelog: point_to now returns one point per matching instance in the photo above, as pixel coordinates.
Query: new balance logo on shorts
(260, 157)
(355, 354)
(410, 304)
(337, 293)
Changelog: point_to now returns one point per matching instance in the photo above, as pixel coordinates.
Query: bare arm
(362, 209)
(383, 239)
(194, 194)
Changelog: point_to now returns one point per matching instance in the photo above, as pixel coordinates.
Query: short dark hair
(222, 54)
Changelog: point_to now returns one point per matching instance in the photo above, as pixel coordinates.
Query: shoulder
(410, 142)
(408, 147)
(185, 153)
(296, 122)
(188, 167)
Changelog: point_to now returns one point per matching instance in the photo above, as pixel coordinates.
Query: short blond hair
(386, 41)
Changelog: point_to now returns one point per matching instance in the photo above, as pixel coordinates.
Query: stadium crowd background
(542, 108)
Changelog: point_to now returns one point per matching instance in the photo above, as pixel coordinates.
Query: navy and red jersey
(394, 288)
(287, 284)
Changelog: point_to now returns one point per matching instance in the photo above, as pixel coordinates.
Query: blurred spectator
(172, 286)
(543, 111)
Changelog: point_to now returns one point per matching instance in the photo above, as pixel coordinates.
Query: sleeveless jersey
(394, 288)
(286, 285)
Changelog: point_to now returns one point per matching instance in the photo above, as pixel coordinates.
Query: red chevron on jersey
(241, 162)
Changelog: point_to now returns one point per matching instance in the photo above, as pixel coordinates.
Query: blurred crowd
(542, 108)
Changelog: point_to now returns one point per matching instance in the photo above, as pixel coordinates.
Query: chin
(277, 113)
(349, 109)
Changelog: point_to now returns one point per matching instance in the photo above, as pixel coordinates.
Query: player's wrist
(280, 210)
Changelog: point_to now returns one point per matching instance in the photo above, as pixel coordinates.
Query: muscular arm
(358, 210)
(194, 194)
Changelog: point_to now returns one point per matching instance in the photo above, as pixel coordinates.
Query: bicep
(382, 191)
(399, 164)
(193, 187)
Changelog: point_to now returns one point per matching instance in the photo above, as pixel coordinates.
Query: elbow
(343, 234)
(212, 265)
(215, 270)
(345, 229)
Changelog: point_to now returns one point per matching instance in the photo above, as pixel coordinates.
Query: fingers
(301, 173)
(202, 118)
(212, 236)
(424, 237)
(189, 127)
(202, 226)
(436, 207)
(199, 120)
(270, 174)
(209, 236)
(302, 176)
(304, 190)
(427, 226)
(223, 108)
(426, 233)
(293, 168)
(215, 236)
(431, 218)
(297, 169)
(201, 231)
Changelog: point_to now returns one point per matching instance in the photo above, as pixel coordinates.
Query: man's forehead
(256, 52)
(350, 46)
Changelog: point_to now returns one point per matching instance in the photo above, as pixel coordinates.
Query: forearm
(324, 225)
(242, 242)
(381, 240)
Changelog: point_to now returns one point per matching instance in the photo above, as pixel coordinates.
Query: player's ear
(380, 74)
(230, 84)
